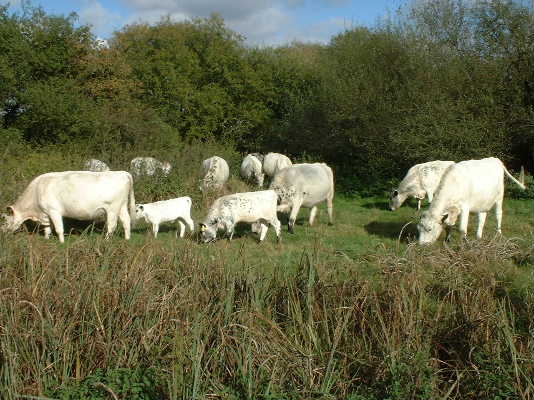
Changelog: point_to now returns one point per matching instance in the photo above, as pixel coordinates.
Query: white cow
(81, 195)
(420, 181)
(468, 186)
(95, 165)
(149, 166)
(274, 162)
(178, 209)
(251, 170)
(256, 208)
(304, 185)
(215, 173)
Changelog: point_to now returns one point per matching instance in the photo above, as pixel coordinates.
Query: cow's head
(166, 168)
(139, 211)
(395, 200)
(208, 232)
(429, 228)
(13, 220)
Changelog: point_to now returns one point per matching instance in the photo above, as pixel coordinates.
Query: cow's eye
(395, 193)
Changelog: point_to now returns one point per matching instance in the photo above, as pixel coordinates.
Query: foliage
(134, 384)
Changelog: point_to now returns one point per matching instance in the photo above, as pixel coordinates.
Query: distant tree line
(442, 79)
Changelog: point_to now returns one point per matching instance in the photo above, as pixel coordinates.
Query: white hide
(468, 186)
(304, 185)
(251, 170)
(95, 165)
(81, 195)
(149, 166)
(257, 208)
(420, 181)
(159, 212)
(274, 162)
(215, 173)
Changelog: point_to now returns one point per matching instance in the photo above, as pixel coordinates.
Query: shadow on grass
(392, 230)
(381, 205)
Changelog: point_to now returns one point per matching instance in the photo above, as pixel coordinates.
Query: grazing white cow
(95, 165)
(468, 186)
(274, 162)
(304, 185)
(149, 166)
(215, 173)
(81, 195)
(178, 209)
(420, 181)
(256, 208)
(251, 170)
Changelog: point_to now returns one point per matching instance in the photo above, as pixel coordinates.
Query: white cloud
(99, 17)
(263, 22)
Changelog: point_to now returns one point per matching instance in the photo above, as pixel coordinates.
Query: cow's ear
(451, 216)
(10, 210)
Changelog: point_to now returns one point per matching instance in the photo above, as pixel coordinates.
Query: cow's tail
(131, 202)
(520, 184)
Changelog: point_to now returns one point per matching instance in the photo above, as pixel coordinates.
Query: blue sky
(263, 22)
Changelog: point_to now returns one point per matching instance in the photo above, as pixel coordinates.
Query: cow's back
(83, 194)
(274, 162)
(477, 184)
(314, 182)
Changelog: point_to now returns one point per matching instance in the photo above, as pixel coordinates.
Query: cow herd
(453, 189)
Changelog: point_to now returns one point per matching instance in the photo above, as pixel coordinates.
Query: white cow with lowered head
(215, 173)
(251, 170)
(178, 210)
(256, 208)
(468, 186)
(420, 181)
(95, 165)
(81, 195)
(274, 162)
(149, 166)
(304, 185)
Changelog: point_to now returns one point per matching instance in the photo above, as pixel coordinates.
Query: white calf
(257, 208)
(167, 211)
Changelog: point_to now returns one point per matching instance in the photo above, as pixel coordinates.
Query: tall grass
(452, 323)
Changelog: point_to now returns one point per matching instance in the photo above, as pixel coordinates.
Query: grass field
(351, 311)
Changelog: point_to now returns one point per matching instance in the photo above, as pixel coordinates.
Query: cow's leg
(155, 230)
(313, 213)
(190, 224)
(464, 219)
(275, 223)
(498, 214)
(230, 230)
(293, 215)
(124, 217)
(181, 225)
(47, 231)
(261, 178)
(111, 223)
(330, 208)
(263, 231)
(481, 221)
(57, 221)
(430, 195)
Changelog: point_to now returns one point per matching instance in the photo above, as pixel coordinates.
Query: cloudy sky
(263, 22)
